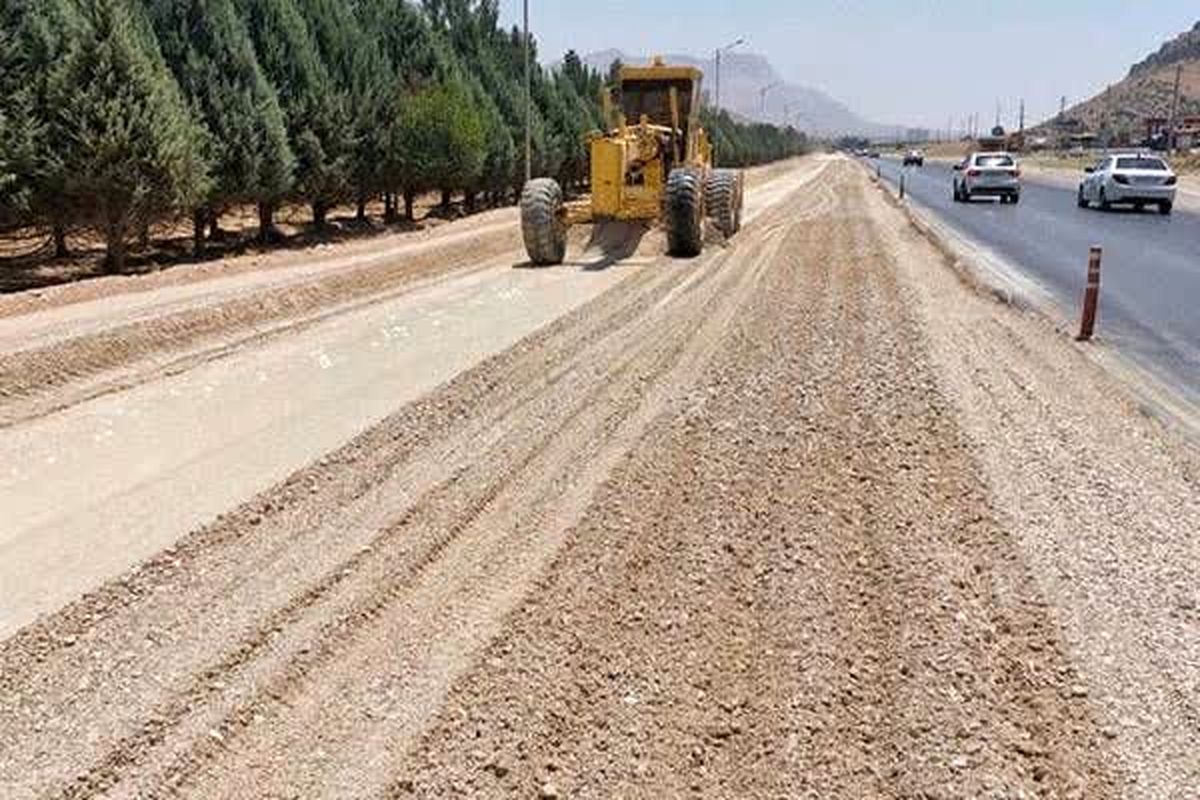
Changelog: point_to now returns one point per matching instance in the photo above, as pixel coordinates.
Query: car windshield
(993, 161)
(1142, 163)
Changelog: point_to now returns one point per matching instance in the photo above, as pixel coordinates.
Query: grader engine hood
(658, 129)
(629, 172)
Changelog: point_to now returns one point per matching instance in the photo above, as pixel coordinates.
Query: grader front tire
(541, 222)
(685, 212)
(723, 200)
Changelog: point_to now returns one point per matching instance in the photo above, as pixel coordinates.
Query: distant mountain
(1122, 109)
(744, 76)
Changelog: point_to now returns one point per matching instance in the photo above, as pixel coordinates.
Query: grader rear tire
(541, 222)
(723, 200)
(685, 212)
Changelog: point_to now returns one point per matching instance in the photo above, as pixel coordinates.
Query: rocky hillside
(1121, 110)
(744, 75)
(1184, 47)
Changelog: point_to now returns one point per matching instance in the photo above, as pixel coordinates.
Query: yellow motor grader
(657, 167)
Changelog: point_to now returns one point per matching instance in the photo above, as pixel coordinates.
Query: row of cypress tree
(741, 144)
(120, 113)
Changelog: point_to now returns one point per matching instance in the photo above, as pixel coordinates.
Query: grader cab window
(653, 99)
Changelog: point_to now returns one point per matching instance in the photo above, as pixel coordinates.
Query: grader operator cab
(655, 163)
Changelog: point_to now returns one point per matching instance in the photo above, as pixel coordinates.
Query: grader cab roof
(646, 91)
(658, 71)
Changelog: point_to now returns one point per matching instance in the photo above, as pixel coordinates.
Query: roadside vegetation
(124, 114)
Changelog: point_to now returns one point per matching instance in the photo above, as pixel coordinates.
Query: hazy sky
(917, 62)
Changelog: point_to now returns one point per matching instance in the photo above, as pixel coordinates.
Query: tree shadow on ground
(27, 260)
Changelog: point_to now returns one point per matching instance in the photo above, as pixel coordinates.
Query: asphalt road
(1150, 295)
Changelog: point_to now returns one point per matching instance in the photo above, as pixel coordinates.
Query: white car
(1135, 179)
(987, 175)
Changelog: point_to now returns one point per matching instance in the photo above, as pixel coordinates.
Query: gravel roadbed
(805, 517)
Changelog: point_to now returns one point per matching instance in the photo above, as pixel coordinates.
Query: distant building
(1187, 133)
(1079, 141)
(1156, 127)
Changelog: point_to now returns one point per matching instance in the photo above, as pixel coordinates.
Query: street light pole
(528, 101)
(719, 51)
(718, 90)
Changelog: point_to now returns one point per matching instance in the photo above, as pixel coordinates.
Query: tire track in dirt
(448, 506)
(502, 395)
(797, 588)
(32, 381)
(539, 514)
(158, 342)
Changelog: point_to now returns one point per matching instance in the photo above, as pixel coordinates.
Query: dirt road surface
(106, 483)
(805, 517)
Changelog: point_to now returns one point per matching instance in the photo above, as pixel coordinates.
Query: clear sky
(917, 62)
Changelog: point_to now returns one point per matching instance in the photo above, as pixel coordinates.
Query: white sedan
(987, 175)
(1129, 178)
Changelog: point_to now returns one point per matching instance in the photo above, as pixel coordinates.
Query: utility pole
(718, 53)
(528, 101)
(1021, 120)
(717, 104)
(1062, 107)
(1171, 123)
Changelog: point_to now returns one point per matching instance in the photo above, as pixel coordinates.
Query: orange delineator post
(1091, 296)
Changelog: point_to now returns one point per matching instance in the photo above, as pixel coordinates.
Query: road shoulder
(989, 273)
(1102, 498)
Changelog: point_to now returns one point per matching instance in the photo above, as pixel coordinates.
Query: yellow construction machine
(655, 163)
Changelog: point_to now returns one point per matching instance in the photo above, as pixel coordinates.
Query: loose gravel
(789, 520)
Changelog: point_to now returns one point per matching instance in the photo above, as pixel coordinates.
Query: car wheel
(1164, 208)
(1081, 200)
(1104, 204)
(1016, 198)
(957, 197)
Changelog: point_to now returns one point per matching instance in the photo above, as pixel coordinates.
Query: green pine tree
(313, 108)
(209, 50)
(130, 147)
(365, 81)
(439, 143)
(40, 33)
(18, 134)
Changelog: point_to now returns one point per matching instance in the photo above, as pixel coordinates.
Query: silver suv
(1134, 178)
(987, 175)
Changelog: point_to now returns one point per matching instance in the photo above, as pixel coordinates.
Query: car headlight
(1171, 181)
(1121, 179)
